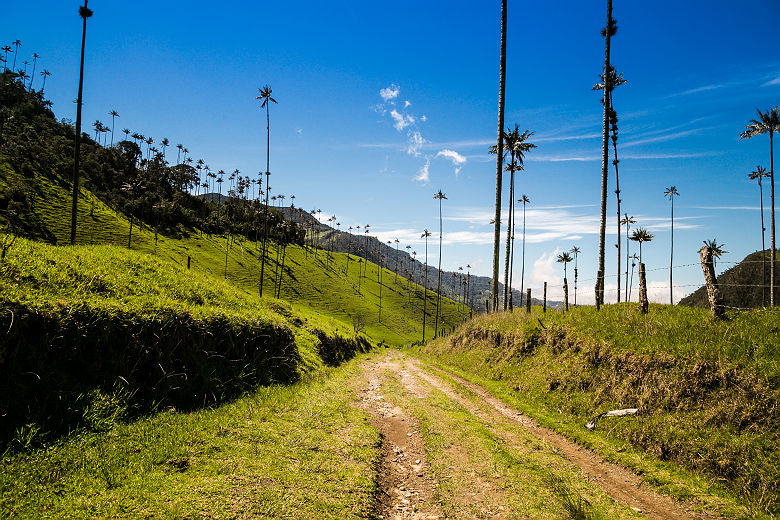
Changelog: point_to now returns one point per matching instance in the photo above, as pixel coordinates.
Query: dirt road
(452, 450)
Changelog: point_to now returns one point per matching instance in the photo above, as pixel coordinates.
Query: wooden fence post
(528, 301)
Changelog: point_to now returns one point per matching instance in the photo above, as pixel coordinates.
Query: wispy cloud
(457, 159)
(771, 82)
(423, 174)
(704, 88)
(415, 143)
(401, 121)
(390, 92)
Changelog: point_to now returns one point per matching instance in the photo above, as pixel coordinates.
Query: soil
(405, 488)
(407, 491)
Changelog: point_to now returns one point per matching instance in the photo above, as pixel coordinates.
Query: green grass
(285, 451)
(707, 391)
(312, 284)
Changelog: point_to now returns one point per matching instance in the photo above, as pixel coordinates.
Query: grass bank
(95, 333)
(707, 391)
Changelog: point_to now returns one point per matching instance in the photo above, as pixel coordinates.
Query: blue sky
(383, 104)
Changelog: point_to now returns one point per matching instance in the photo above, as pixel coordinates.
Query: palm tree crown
(641, 235)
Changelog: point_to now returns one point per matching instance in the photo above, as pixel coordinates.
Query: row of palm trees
(22, 73)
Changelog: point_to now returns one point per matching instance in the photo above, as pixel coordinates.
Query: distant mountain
(740, 285)
(400, 261)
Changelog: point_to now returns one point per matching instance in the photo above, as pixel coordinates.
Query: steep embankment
(707, 392)
(91, 330)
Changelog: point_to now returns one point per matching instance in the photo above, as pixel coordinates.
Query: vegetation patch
(707, 391)
(94, 334)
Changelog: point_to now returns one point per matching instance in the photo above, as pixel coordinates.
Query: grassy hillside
(311, 282)
(707, 391)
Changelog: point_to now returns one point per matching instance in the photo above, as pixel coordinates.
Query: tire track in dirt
(621, 484)
(405, 487)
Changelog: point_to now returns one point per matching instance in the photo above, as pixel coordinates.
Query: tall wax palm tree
(615, 81)
(266, 100)
(425, 235)
(126, 132)
(85, 13)
(114, 114)
(525, 200)
(564, 258)
(607, 33)
(670, 193)
(510, 138)
(641, 235)
(439, 196)
(18, 44)
(576, 251)
(759, 174)
(44, 74)
(165, 142)
(768, 123)
(627, 221)
(32, 74)
(499, 154)
(178, 154)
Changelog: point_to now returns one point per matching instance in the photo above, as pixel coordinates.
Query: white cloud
(457, 159)
(416, 141)
(390, 92)
(401, 120)
(775, 81)
(423, 175)
(407, 104)
(423, 118)
(544, 270)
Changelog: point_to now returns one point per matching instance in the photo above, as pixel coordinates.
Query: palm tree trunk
(77, 151)
(772, 239)
(522, 269)
(763, 244)
(512, 252)
(617, 196)
(508, 236)
(671, 258)
(643, 302)
(265, 227)
(604, 161)
(425, 289)
(565, 294)
(438, 290)
(499, 155)
(713, 292)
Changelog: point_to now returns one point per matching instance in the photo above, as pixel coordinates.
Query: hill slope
(742, 285)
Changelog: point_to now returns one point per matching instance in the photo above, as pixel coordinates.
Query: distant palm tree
(23, 76)
(32, 74)
(759, 174)
(641, 235)
(18, 44)
(126, 132)
(564, 258)
(178, 154)
(525, 200)
(45, 74)
(114, 114)
(768, 122)
(439, 196)
(85, 13)
(499, 155)
(165, 142)
(266, 100)
(425, 235)
(634, 257)
(607, 33)
(576, 251)
(670, 193)
(6, 49)
(627, 221)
